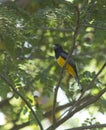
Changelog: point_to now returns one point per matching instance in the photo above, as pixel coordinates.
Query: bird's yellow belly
(69, 68)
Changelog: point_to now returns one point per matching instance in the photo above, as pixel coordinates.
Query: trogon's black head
(58, 49)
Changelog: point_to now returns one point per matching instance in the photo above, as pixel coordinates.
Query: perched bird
(61, 57)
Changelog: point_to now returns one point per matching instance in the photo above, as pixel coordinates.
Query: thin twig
(58, 108)
(103, 27)
(95, 77)
(70, 29)
(22, 97)
(68, 57)
(88, 127)
(56, 29)
(20, 126)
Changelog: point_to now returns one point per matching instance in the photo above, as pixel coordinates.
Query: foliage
(27, 61)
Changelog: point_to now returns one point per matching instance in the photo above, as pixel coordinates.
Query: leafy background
(28, 31)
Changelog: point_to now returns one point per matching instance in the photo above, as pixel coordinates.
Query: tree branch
(56, 29)
(22, 97)
(95, 26)
(68, 57)
(58, 108)
(88, 102)
(20, 126)
(94, 78)
(88, 127)
(71, 29)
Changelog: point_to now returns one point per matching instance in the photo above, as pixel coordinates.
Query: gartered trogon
(61, 57)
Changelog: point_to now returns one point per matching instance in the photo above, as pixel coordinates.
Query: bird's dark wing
(71, 62)
(64, 54)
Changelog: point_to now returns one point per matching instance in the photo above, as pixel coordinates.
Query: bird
(61, 57)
